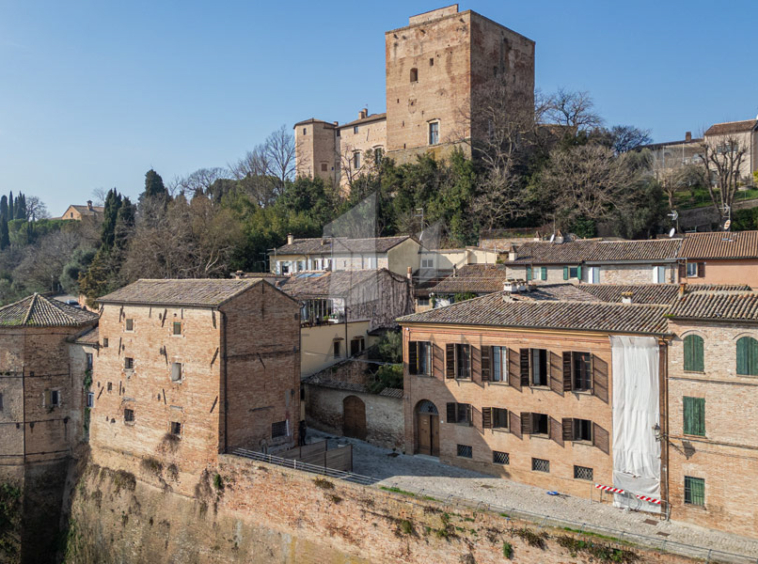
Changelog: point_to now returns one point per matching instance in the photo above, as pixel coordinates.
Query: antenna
(552, 237)
(674, 215)
(672, 232)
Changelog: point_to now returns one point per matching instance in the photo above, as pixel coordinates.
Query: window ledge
(129, 423)
(694, 372)
(583, 443)
(497, 383)
(539, 436)
(500, 430)
(691, 436)
(541, 387)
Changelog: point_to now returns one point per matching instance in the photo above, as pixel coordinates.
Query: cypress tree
(4, 207)
(11, 215)
(5, 239)
(21, 206)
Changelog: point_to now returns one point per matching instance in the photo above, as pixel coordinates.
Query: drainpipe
(664, 432)
(224, 359)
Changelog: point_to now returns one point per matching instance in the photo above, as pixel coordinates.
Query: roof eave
(536, 327)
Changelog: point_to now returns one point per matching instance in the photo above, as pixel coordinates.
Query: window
(177, 327)
(572, 272)
(538, 367)
(422, 301)
(465, 451)
(500, 457)
(305, 131)
(378, 156)
(693, 354)
(356, 346)
(128, 416)
(414, 75)
(659, 275)
(420, 358)
(457, 361)
(499, 418)
(747, 356)
(128, 363)
(694, 491)
(594, 275)
(427, 263)
(89, 361)
(580, 377)
(130, 324)
(459, 413)
(540, 465)
(434, 133)
(1, 401)
(543, 273)
(176, 372)
(583, 473)
(105, 342)
(337, 351)
(694, 416)
(582, 430)
(279, 429)
(324, 167)
(356, 160)
(499, 364)
(540, 424)
(691, 270)
(355, 130)
(90, 399)
(175, 428)
(431, 62)
(110, 386)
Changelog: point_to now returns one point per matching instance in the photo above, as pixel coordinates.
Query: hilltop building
(78, 213)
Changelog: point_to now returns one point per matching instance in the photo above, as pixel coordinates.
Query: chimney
(455, 271)
(626, 297)
(410, 274)
(688, 136)
(290, 238)
(513, 255)
(363, 114)
(89, 205)
(515, 286)
(682, 289)
(239, 275)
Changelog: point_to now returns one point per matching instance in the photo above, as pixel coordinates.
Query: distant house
(720, 258)
(745, 134)
(79, 213)
(469, 281)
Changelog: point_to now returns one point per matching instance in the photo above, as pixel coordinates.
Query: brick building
(188, 369)
(720, 258)
(435, 66)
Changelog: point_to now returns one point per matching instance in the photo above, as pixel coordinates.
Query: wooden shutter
(555, 369)
(469, 414)
(565, 272)
(568, 429)
(693, 353)
(600, 378)
(450, 360)
(486, 356)
(682, 271)
(413, 357)
(514, 424)
(477, 418)
(747, 356)
(487, 417)
(555, 430)
(452, 415)
(476, 363)
(700, 269)
(528, 272)
(543, 273)
(514, 370)
(694, 416)
(601, 438)
(567, 385)
(438, 364)
(526, 423)
(524, 369)
(579, 272)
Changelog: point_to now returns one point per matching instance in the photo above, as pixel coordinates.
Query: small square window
(105, 342)
(355, 129)
(582, 430)
(128, 416)
(89, 361)
(694, 491)
(501, 457)
(324, 167)
(583, 473)
(110, 386)
(130, 324)
(574, 272)
(279, 429)
(128, 363)
(176, 372)
(499, 418)
(540, 465)
(177, 327)
(90, 399)
(176, 428)
(691, 270)
(427, 263)
(53, 398)
(465, 451)
(431, 62)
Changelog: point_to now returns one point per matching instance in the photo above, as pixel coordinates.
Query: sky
(93, 94)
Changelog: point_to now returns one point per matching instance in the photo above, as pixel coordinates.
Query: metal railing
(710, 556)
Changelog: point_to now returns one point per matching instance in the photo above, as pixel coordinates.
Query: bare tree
(36, 209)
(573, 110)
(684, 178)
(43, 263)
(722, 160)
(98, 196)
(199, 181)
(264, 171)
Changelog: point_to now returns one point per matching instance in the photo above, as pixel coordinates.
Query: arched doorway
(354, 417)
(427, 428)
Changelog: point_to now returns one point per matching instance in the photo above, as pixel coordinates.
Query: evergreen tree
(11, 215)
(113, 202)
(21, 206)
(5, 238)
(4, 207)
(153, 186)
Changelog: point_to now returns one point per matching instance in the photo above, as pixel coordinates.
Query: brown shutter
(700, 269)
(556, 372)
(600, 378)
(413, 357)
(486, 363)
(469, 414)
(514, 371)
(601, 438)
(682, 271)
(567, 372)
(555, 431)
(451, 413)
(487, 417)
(524, 367)
(526, 423)
(450, 360)
(477, 418)
(568, 429)
(438, 362)
(476, 363)
(514, 424)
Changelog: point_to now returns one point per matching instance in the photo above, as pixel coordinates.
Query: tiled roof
(720, 245)
(323, 245)
(732, 127)
(367, 119)
(491, 310)
(392, 393)
(474, 278)
(89, 337)
(323, 284)
(554, 292)
(654, 293)
(191, 292)
(576, 252)
(39, 311)
(85, 210)
(722, 306)
(312, 120)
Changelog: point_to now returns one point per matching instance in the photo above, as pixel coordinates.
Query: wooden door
(424, 433)
(435, 434)
(354, 418)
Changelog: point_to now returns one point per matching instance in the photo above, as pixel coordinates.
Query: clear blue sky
(93, 93)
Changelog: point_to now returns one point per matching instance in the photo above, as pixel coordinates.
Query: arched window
(693, 354)
(747, 356)
(414, 75)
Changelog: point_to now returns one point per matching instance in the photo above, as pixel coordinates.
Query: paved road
(427, 476)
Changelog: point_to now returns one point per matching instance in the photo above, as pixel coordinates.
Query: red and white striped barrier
(620, 491)
(648, 499)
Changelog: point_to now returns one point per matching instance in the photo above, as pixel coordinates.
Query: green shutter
(694, 491)
(528, 272)
(747, 356)
(565, 272)
(693, 354)
(694, 416)
(579, 272)
(543, 273)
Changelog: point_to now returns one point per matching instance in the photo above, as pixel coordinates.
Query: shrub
(218, 482)
(406, 527)
(507, 550)
(323, 484)
(531, 538)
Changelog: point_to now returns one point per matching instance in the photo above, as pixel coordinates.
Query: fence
(710, 556)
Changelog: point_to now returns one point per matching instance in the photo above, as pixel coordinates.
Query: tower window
(356, 160)
(434, 133)
(431, 62)
(414, 75)
(305, 131)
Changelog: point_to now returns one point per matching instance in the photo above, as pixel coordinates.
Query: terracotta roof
(324, 284)
(312, 120)
(89, 337)
(392, 393)
(39, 311)
(654, 293)
(492, 311)
(474, 278)
(191, 292)
(368, 119)
(554, 292)
(720, 245)
(732, 127)
(717, 306)
(577, 252)
(323, 245)
(86, 210)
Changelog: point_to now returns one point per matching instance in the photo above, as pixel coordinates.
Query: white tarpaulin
(636, 418)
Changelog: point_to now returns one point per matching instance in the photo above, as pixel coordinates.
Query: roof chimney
(290, 238)
(89, 205)
(455, 271)
(682, 289)
(410, 274)
(239, 274)
(513, 255)
(363, 114)
(688, 136)
(626, 297)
